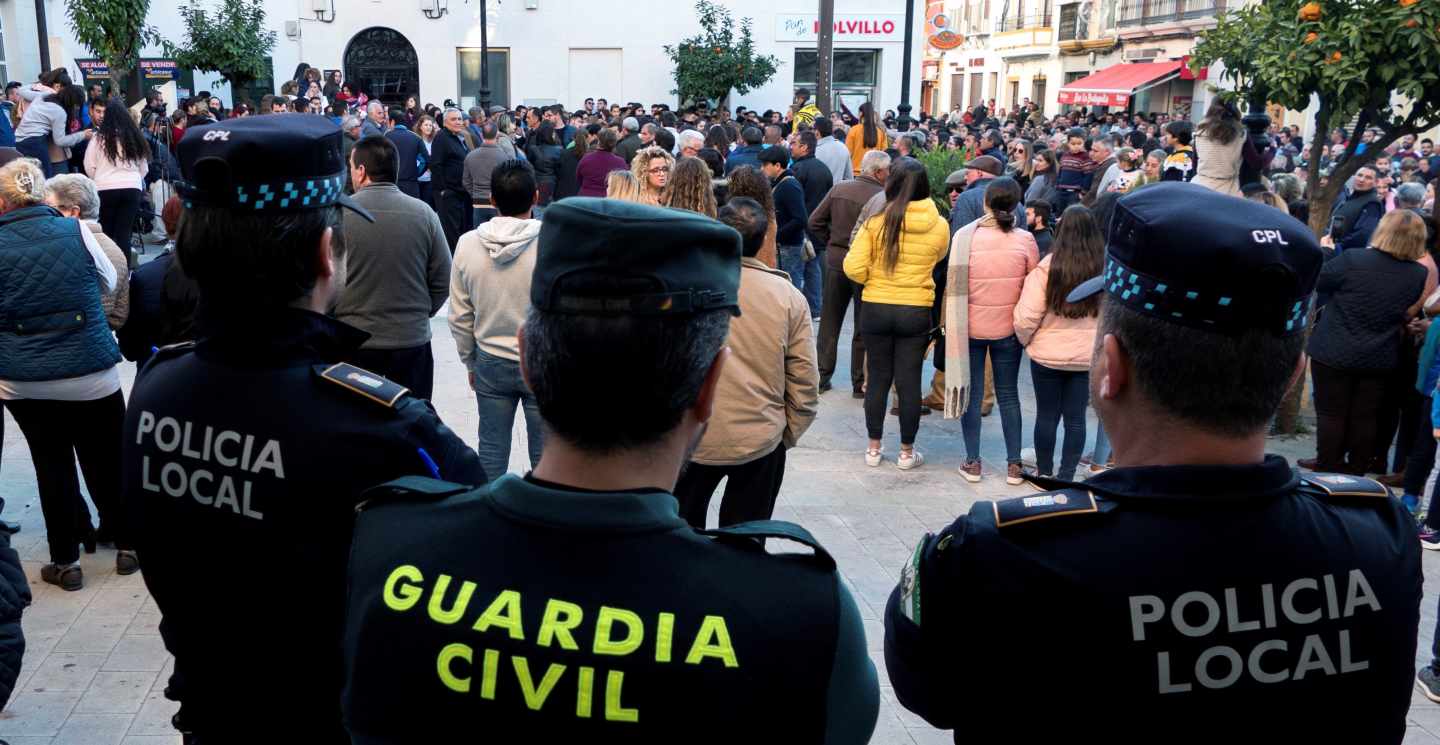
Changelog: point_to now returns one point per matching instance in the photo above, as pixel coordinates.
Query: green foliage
(230, 40)
(711, 63)
(1379, 59)
(939, 164)
(113, 30)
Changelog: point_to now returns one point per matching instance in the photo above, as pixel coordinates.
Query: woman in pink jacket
(1060, 338)
(1000, 257)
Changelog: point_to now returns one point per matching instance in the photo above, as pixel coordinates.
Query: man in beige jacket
(767, 394)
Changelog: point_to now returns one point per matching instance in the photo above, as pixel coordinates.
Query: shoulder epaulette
(1344, 485)
(167, 352)
(746, 533)
(368, 384)
(409, 489)
(1043, 506)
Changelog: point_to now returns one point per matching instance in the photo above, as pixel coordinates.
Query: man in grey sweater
(479, 164)
(397, 271)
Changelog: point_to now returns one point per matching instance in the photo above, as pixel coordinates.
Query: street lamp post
(1257, 124)
(903, 119)
(40, 28)
(484, 60)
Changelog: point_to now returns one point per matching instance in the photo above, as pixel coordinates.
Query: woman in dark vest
(58, 374)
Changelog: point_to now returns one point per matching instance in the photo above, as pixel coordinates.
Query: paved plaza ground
(95, 667)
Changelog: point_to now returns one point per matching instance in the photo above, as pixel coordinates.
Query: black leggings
(1059, 394)
(118, 209)
(59, 432)
(895, 340)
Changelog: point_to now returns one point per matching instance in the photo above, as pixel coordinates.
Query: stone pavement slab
(95, 668)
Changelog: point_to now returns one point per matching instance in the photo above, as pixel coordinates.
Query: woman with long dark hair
(893, 256)
(567, 183)
(44, 130)
(866, 136)
(544, 153)
(117, 160)
(1060, 338)
(996, 255)
(719, 139)
(1220, 147)
(427, 128)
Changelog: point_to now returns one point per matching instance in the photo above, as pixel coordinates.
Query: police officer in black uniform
(246, 451)
(574, 604)
(1203, 591)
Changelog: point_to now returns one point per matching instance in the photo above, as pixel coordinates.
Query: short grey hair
(1409, 194)
(375, 106)
(652, 128)
(874, 162)
(690, 138)
(349, 123)
(631, 124)
(75, 190)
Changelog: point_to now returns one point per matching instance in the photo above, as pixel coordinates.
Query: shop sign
(872, 27)
(1093, 98)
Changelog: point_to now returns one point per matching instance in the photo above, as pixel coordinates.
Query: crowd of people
(834, 215)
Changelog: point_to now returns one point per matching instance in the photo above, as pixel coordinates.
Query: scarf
(956, 321)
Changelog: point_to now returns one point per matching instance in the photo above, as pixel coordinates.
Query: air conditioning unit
(292, 29)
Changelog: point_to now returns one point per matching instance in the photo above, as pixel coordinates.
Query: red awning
(1114, 85)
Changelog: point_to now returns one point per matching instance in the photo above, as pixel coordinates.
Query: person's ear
(705, 402)
(325, 255)
(1118, 368)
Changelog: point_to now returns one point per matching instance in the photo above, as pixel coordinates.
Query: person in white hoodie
(489, 299)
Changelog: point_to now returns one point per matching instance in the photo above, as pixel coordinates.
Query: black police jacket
(244, 457)
(531, 612)
(1180, 604)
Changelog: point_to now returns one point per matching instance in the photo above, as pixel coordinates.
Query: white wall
(539, 41)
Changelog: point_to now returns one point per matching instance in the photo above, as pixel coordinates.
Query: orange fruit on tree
(1334, 58)
(1311, 37)
(1311, 11)
(1411, 23)
(1408, 3)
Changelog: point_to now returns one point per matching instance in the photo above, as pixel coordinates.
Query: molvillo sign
(875, 27)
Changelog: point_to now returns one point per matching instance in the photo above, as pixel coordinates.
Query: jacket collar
(287, 335)
(28, 213)
(555, 505)
(1269, 478)
(751, 262)
(870, 180)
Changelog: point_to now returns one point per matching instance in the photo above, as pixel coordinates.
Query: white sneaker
(873, 458)
(909, 460)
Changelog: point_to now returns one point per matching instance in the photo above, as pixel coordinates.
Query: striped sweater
(1076, 172)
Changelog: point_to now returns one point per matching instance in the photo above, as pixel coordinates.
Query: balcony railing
(1148, 12)
(1018, 23)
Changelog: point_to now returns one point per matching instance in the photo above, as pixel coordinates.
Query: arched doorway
(382, 63)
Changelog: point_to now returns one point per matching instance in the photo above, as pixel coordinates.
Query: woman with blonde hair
(748, 181)
(61, 381)
(1022, 163)
(651, 167)
(622, 185)
(690, 188)
(1368, 296)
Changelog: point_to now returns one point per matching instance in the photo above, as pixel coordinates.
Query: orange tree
(712, 63)
(1379, 59)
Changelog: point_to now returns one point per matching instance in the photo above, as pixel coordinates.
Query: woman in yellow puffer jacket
(893, 256)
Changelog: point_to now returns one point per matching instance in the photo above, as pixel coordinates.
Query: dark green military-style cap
(609, 257)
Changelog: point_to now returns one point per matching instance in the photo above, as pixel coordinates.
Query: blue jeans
(498, 389)
(814, 282)
(1005, 358)
(1059, 394)
(792, 262)
(1102, 446)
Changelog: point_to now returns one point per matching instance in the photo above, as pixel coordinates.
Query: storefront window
(855, 72)
(468, 61)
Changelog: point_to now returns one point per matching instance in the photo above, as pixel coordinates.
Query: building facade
(541, 51)
(1046, 52)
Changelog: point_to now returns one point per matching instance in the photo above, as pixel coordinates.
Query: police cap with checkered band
(265, 165)
(1195, 257)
